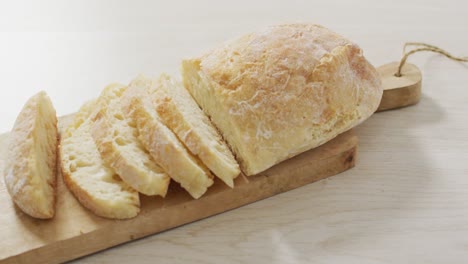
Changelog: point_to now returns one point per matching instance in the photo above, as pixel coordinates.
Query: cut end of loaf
(201, 90)
(182, 115)
(30, 174)
(277, 93)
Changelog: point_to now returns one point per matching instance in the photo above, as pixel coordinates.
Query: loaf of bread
(247, 105)
(30, 169)
(279, 92)
(182, 115)
(116, 138)
(161, 142)
(91, 181)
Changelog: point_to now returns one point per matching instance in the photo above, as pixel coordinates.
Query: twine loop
(425, 47)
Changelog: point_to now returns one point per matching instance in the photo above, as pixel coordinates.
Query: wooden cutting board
(76, 232)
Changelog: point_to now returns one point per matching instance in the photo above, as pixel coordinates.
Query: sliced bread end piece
(30, 171)
(117, 140)
(183, 116)
(96, 186)
(163, 145)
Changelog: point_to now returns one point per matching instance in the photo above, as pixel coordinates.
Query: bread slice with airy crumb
(182, 115)
(30, 170)
(163, 145)
(117, 140)
(93, 183)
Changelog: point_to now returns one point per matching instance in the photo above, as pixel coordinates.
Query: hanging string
(425, 47)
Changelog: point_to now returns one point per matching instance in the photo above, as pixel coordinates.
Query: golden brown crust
(277, 93)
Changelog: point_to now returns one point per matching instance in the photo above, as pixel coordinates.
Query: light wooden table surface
(405, 202)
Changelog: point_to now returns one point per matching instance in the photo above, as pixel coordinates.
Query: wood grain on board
(76, 232)
(399, 91)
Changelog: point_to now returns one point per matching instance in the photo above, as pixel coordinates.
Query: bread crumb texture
(91, 181)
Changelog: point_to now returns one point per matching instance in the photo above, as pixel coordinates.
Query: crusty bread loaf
(182, 115)
(94, 184)
(163, 145)
(280, 92)
(117, 140)
(30, 169)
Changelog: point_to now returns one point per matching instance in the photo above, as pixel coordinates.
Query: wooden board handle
(399, 91)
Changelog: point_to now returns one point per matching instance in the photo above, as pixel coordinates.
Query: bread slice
(117, 140)
(94, 184)
(163, 145)
(179, 111)
(30, 170)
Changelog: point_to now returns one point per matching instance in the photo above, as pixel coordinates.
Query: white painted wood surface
(405, 202)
